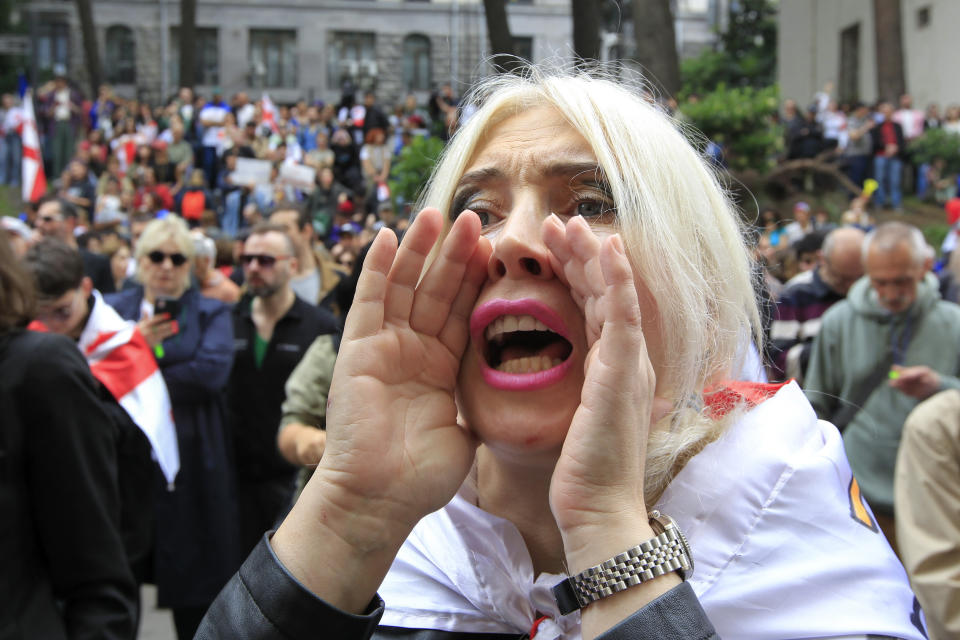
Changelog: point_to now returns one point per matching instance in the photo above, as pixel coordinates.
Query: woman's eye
(589, 209)
(593, 208)
(484, 217)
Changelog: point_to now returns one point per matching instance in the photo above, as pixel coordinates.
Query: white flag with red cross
(270, 114)
(34, 180)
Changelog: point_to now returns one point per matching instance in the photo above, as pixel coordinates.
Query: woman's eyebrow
(574, 170)
(480, 175)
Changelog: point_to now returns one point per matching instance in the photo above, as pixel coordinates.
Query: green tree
(745, 55)
(934, 144)
(741, 121)
(410, 171)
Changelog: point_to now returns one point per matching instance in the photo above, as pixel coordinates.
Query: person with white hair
(531, 402)
(196, 544)
(892, 343)
(212, 283)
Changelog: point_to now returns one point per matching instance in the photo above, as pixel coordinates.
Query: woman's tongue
(522, 359)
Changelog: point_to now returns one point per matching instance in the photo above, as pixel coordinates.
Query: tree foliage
(746, 53)
(741, 120)
(410, 171)
(730, 93)
(937, 143)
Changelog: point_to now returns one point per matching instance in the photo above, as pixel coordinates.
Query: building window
(352, 60)
(206, 56)
(52, 43)
(848, 89)
(416, 62)
(273, 58)
(523, 47)
(121, 55)
(923, 17)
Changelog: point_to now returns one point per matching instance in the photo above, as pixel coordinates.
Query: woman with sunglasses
(196, 548)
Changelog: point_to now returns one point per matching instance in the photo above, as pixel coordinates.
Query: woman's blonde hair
(170, 227)
(681, 231)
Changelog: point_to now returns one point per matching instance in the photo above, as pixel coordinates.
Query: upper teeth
(509, 324)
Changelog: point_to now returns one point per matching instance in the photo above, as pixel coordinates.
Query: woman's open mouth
(522, 344)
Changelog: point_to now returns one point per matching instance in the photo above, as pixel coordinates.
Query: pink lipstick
(490, 311)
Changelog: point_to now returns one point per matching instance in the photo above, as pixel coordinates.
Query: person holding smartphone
(192, 338)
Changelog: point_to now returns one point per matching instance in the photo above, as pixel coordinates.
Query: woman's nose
(518, 251)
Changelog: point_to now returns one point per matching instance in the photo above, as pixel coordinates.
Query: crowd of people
(219, 294)
(872, 142)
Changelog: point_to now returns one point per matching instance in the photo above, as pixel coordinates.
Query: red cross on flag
(269, 111)
(34, 181)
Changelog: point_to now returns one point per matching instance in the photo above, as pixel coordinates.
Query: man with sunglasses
(315, 276)
(273, 328)
(57, 218)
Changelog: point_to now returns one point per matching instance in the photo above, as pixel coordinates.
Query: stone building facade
(296, 49)
(829, 43)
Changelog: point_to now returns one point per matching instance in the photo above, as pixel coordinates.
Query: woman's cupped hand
(394, 451)
(394, 445)
(597, 487)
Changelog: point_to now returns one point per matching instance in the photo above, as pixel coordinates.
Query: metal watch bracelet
(666, 552)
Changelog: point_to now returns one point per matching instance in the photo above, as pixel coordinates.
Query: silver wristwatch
(666, 552)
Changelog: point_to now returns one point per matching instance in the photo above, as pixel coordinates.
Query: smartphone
(166, 304)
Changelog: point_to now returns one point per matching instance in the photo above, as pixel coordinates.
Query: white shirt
(216, 114)
(61, 104)
(245, 114)
(12, 120)
(768, 514)
(911, 121)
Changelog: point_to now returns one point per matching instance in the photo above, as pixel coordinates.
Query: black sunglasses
(157, 257)
(263, 259)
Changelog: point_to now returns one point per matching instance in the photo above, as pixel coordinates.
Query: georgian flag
(34, 180)
(122, 361)
(269, 113)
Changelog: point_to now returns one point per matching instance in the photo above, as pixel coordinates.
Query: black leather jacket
(264, 602)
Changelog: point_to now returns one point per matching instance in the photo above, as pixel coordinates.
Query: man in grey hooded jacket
(890, 344)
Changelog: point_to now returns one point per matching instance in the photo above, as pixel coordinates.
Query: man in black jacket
(64, 571)
(272, 330)
(65, 303)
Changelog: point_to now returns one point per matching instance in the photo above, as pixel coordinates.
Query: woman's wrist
(589, 545)
(328, 535)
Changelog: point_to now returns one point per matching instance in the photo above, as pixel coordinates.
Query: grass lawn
(10, 204)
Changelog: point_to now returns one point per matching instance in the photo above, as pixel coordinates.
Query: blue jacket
(196, 542)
